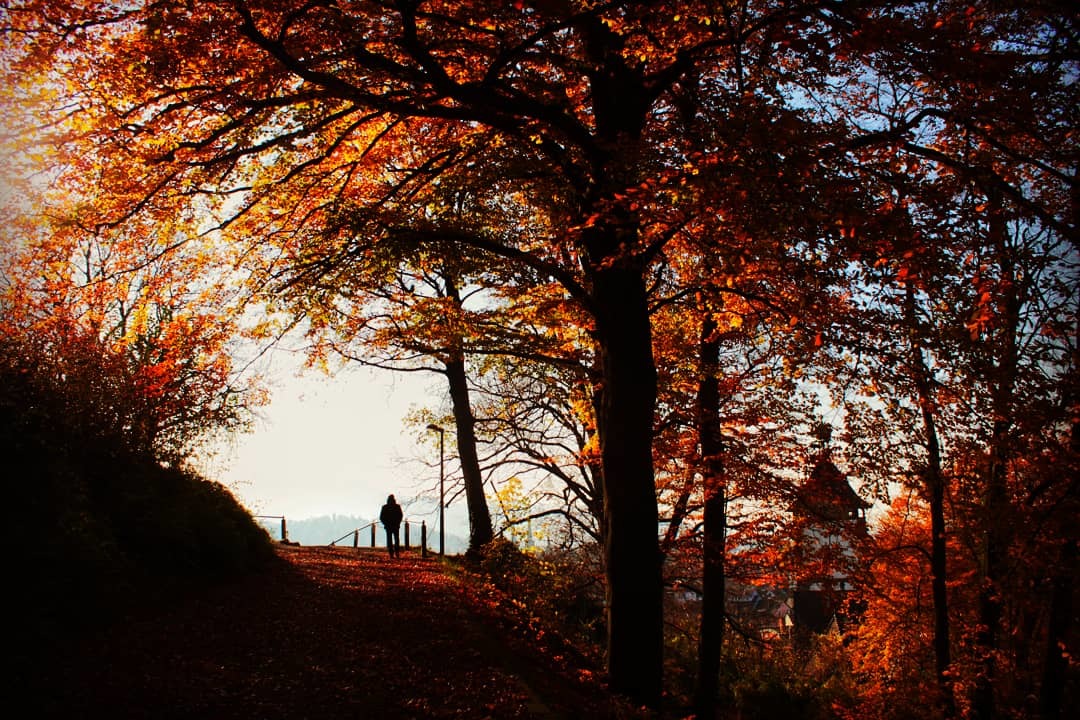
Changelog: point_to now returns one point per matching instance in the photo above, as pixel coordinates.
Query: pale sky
(339, 446)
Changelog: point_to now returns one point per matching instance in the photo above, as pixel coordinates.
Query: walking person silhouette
(390, 516)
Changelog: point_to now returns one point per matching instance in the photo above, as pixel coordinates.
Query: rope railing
(355, 533)
(284, 531)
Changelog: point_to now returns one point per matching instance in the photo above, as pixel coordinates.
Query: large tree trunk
(480, 530)
(711, 642)
(625, 423)
(616, 270)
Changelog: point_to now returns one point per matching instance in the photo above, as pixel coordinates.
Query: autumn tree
(441, 308)
(153, 335)
(744, 288)
(278, 124)
(892, 640)
(538, 421)
(980, 202)
(403, 312)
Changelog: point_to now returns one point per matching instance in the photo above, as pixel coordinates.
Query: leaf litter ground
(328, 633)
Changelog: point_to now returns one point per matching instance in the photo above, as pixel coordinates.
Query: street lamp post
(442, 489)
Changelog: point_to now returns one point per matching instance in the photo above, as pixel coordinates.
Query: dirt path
(332, 633)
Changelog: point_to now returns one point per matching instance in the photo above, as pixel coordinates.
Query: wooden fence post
(284, 533)
(423, 538)
(406, 534)
(356, 538)
(372, 534)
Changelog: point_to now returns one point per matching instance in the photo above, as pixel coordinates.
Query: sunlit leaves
(415, 182)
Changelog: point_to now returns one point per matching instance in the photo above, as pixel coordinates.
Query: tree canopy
(700, 207)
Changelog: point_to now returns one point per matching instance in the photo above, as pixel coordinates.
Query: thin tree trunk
(996, 498)
(935, 485)
(596, 463)
(939, 572)
(480, 529)
(1059, 623)
(711, 641)
(1056, 665)
(678, 514)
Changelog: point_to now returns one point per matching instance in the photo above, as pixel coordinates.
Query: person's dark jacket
(390, 515)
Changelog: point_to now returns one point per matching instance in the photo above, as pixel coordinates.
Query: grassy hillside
(97, 526)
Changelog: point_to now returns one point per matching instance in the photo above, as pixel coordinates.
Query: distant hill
(325, 529)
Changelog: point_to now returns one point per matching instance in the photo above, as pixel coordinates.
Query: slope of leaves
(108, 525)
(327, 633)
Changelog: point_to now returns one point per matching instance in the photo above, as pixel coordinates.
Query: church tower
(830, 519)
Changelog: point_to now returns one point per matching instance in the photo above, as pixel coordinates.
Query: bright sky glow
(339, 446)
